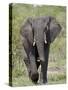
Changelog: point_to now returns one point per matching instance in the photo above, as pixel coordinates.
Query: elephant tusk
(45, 42)
(33, 43)
(38, 60)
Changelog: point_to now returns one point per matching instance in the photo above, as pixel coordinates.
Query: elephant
(37, 34)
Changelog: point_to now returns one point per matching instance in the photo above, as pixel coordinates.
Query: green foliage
(57, 57)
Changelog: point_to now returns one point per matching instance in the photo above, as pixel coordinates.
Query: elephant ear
(54, 28)
(46, 22)
(27, 31)
(30, 21)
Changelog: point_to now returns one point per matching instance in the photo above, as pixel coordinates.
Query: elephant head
(45, 30)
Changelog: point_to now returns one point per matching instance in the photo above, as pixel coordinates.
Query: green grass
(22, 81)
(57, 57)
(56, 77)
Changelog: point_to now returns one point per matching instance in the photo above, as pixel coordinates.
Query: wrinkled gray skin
(41, 31)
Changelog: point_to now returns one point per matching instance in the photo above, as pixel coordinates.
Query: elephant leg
(44, 65)
(30, 51)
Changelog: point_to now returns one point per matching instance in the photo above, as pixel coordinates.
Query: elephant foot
(43, 83)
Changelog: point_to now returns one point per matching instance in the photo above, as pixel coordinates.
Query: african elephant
(37, 35)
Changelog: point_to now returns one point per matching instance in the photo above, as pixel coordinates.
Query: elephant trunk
(39, 37)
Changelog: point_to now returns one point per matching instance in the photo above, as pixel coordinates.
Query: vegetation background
(57, 56)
